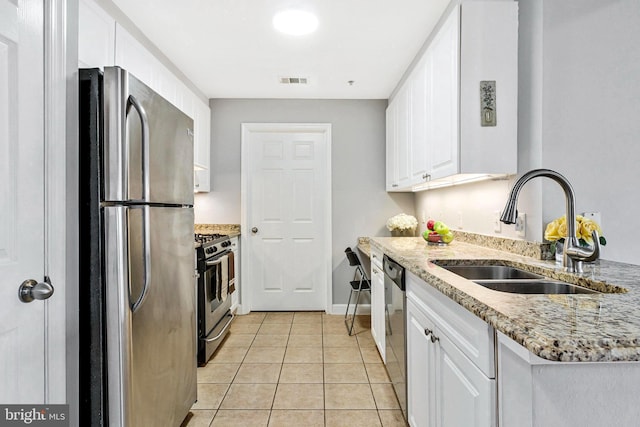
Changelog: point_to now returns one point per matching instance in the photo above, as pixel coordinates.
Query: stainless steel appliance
(137, 294)
(216, 283)
(395, 339)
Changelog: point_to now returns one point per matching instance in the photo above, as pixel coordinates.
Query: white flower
(402, 222)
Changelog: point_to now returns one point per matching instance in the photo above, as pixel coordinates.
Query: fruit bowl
(437, 233)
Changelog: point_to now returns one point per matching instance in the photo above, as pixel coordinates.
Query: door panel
(287, 256)
(466, 396)
(22, 368)
(152, 352)
(170, 134)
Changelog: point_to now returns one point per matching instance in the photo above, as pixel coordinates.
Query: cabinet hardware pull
(428, 332)
(434, 338)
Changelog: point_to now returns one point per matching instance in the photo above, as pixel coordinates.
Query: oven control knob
(225, 244)
(213, 249)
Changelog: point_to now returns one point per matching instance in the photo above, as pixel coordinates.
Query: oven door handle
(217, 261)
(217, 337)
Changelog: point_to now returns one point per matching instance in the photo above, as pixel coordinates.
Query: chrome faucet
(573, 254)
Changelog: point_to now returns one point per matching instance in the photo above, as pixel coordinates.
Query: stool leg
(355, 310)
(346, 313)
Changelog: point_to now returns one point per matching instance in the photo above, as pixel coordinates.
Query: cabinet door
(464, 395)
(201, 146)
(403, 136)
(235, 247)
(418, 161)
(392, 143)
(444, 100)
(420, 369)
(134, 57)
(377, 309)
(96, 36)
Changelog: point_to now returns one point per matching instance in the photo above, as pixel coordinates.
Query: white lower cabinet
(421, 364)
(535, 392)
(377, 302)
(445, 387)
(235, 297)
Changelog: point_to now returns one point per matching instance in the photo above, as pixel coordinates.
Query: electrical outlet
(521, 225)
(497, 225)
(594, 216)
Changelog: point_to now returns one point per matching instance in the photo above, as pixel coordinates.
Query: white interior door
(286, 178)
(22, 233)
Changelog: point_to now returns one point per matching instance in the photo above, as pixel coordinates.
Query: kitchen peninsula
(553, 359)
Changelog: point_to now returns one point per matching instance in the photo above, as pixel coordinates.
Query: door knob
(31, 290)
(254, 230)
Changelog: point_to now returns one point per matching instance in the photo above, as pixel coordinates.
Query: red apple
(430, 224)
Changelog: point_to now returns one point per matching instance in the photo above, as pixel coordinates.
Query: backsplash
(475, 207)
(519, 247)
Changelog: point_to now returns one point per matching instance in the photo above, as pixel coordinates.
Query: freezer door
(156, 367)
(148, 144)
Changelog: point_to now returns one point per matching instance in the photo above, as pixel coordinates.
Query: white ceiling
(229, 49)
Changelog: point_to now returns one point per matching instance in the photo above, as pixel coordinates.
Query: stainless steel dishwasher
(395, 303)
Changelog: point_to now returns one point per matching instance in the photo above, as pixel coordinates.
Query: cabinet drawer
(468, 332)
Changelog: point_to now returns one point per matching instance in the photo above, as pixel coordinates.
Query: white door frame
(245, 296)
(60, 145)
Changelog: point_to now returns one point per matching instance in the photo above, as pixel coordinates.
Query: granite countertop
(601, 327)
(231, 230)
(364, 246)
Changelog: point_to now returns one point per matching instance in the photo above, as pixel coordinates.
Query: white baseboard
(341, 308)
(335, 309)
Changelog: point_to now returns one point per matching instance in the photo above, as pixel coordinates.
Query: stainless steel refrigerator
(137, 285)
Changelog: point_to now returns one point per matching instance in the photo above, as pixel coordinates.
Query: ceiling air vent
(294, 80)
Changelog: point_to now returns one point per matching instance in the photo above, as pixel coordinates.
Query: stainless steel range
(216, 283)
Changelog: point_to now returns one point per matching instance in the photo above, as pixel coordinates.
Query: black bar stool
(359, 284)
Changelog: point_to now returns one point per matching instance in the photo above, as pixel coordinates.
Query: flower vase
(408, 232)
(559, 252)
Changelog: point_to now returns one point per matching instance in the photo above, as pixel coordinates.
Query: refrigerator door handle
(146, 249)
(133, 102)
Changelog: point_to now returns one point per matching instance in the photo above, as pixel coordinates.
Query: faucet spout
(573, 253)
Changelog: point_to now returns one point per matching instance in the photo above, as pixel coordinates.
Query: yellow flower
(556, 229)
(585, 227)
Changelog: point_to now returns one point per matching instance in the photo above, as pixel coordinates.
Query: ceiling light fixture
(295, 22)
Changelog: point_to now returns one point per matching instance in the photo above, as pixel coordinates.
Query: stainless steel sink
(545, 286)
(514, 280)
(490, 272)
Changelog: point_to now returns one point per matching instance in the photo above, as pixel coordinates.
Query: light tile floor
(295, 369)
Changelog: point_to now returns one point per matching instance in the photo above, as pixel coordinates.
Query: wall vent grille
(294, 80)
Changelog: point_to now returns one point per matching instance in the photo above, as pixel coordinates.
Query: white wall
(591, 105)
(579, 114)
(360, 204)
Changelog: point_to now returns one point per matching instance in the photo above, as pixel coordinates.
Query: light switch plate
(594, 216)
(488, 111)
(521, 225)
(497, 225)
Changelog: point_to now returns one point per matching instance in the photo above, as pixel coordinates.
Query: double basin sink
(514, 280)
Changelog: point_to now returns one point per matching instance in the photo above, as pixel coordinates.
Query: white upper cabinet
(201, 147)
(436, 127)
(96, 36)
(103, 41)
